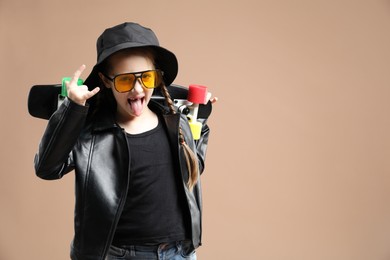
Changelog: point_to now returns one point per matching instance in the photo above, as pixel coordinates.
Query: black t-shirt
(154, 209)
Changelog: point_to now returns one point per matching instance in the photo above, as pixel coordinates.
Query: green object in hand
(64, 93)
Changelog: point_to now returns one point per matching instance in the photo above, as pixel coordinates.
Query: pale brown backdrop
(298, 165)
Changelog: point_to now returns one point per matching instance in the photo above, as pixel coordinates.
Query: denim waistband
(151, 248)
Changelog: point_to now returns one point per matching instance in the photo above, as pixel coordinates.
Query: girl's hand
(79, 94)
(209, 98)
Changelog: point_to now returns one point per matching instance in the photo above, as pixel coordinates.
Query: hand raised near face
(79, 94)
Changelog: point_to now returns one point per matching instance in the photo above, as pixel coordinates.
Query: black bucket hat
(132, 35)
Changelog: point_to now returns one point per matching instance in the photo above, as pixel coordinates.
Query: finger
(208, 97)
(77, 75)
(212, 100)
(67, 84)
(92, 93)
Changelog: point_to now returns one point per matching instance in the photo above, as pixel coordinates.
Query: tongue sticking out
(137, 106)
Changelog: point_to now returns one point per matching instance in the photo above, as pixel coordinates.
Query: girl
(136, 164)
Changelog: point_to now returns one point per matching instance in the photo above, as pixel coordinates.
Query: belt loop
(178, 245)
(132, 251)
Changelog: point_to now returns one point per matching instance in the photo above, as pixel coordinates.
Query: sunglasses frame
(137, 75)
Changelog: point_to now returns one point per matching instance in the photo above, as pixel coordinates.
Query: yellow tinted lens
(124, 83)
(149, 79)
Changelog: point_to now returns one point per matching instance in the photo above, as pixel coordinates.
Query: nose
(138, 86)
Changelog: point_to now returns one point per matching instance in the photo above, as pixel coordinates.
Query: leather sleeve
(54, 157)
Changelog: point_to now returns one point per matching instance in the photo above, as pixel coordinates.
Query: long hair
(105, 100)
(191, 158)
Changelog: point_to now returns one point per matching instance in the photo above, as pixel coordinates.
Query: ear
(104, 80)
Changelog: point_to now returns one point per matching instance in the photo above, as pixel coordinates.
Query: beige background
(299, 157)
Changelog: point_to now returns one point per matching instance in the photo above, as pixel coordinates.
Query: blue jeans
(166, 251)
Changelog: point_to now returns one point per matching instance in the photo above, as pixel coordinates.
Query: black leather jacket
(99, 154)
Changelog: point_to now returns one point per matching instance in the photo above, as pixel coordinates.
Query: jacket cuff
(74, 107)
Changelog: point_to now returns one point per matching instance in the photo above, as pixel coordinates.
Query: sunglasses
(125, 82)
